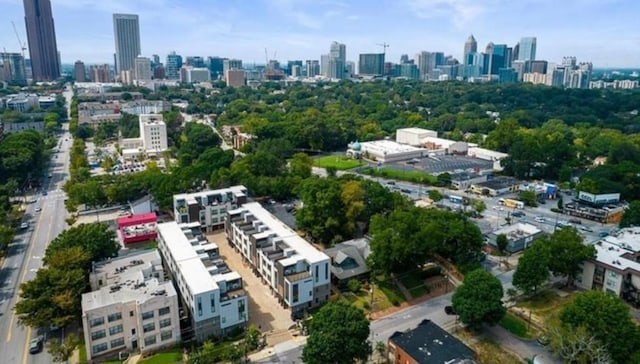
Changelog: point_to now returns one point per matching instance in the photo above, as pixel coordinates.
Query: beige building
(293, 269)
(234, 77)
(616, 268)
(131, 308)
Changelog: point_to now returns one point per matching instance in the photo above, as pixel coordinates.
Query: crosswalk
(56, 194)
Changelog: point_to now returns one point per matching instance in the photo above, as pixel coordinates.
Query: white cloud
(460, 12)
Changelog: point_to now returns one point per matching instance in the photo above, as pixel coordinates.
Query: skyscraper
(142, 69)
(371, 64)
(172, 66)
(527, 51)
(126, 32)
(337, 61)
(313, 67)
(12, 68)
(41, 35)
(79, 71)
(470, 46)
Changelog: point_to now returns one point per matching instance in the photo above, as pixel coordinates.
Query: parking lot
(442, 163)
(264, 311)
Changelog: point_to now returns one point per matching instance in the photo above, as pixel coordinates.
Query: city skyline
(600, 31)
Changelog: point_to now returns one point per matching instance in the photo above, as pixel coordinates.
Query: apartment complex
(295, 271)
(616, 268)
(209, 208)
(210, 292)
(131, 307)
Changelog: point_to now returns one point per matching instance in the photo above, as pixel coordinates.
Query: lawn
(546, 303)
(411, 176)
(362, 299)
(171, 356)
(338, 162)
(82, 354)
(390, 291)
(516, 326)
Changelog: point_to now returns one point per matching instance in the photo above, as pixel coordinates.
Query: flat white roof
(288, 235)
(238, 190)
(388, 147)
(628, 238)
(612, 255)
(196, 276)
(416, 131)
(488, 152)
(176, 241)
(528, 229)
(444, 143)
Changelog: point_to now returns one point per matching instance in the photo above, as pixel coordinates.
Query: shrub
(354, 285)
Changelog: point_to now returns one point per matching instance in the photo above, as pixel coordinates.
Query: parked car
(35, 346)
(391, 183)
(575, 221)
(24, 225)
(540, 219)
(518, 214)
(586, 228)
(38, 209)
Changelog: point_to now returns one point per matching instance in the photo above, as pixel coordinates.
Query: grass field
(516, 326)
(391, 292)
(546, 302)
(172, 356)
(411, 176)
(338, 162)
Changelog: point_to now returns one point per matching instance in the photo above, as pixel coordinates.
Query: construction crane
(384, 47)
(23, 46)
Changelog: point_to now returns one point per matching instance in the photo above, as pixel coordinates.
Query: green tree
(607, 318)
(338, 334)
(479, 206)
(568, 251)
(62, 351)
(631, 215)
(532, 270)
(354, 285)
(501, 243)
(300, 165)
(479, 299)
(97, 239)
(435, 195)
(529, 198)
(381, 350)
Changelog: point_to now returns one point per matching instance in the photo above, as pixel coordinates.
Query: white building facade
(131, 307)
(211, 293)
(297, 273)
(209, 208)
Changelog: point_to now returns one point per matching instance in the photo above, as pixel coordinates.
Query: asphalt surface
(24, 258)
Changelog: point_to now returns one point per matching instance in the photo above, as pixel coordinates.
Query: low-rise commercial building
(210, 292)
(131, 307)
(616, 267)
(605, 208)
(414, 136)
(384, 151)
(519, 236)
(496, 186)
(426, 344)
(293, 269)
(209, 208)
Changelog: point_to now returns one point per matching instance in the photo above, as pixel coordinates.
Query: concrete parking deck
(264, 310)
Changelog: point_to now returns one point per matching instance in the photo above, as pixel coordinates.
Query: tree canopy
(479, 299)
(96, 239)
(533, 269)
(568, 251)
(338, 334)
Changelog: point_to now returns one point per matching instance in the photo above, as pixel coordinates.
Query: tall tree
(338, 334)
(533, 269)
(631, 215)
(97, 239)
(568, 252)
(62, 351)
(479, 299)
(607, 318)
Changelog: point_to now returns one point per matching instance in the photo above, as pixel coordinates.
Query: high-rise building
(371, 64)
(539, 67)
(337, 62)
(527, 50)
(12, 68)
(470, 46)
(172, 66)
(338, 51)
(100, 73)
(231, 64)
(235, 77)
(404, 58)
(216, 67)
(79, 71)
(313, 68)
(155, 60)
(142, 69)
(126, 32)
(426, 63)
(41, 35)
(290, 65)
(324, 65)
(158, 72)
(195, 61)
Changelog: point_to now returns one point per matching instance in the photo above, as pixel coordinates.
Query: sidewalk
(294, 343)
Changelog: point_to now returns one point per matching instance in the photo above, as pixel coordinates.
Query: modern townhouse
(209, 208)
(131, 308)
(212, 295)
(294, 270)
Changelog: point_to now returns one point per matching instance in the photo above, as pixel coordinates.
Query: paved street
(24, 258)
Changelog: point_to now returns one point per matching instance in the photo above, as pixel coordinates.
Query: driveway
(264, 310)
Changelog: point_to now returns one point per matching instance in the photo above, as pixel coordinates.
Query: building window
(149, 327)
(115, 329)
(317, 273)
(199, 306)
(114, 317)
(117, 343)
(150, 340)
(147, 315)
(164, 311)
(96, 335)
(326, 271)
(96, 322)
(165, 323)
(213, 302)
(166, 335)
(99, 348)
(295, 293)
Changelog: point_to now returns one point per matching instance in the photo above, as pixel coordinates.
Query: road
(24, 257)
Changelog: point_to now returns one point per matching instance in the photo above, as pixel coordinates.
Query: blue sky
(604, 32)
